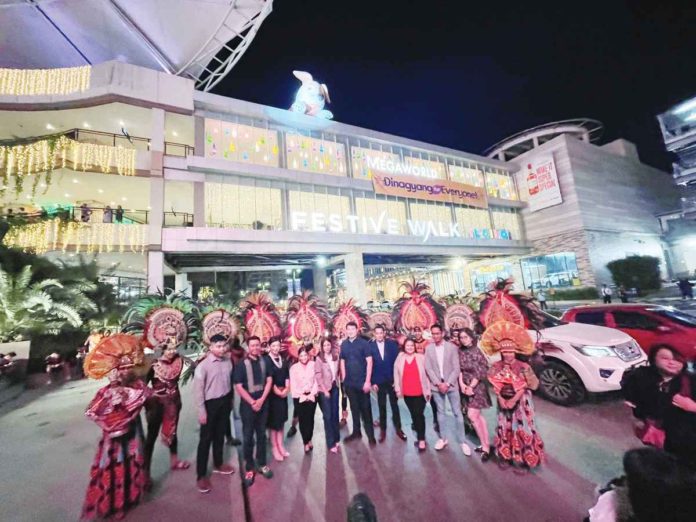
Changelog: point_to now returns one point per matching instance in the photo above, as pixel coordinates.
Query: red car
(650, 325)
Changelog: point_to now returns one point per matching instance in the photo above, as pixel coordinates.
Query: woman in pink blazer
(326, 366)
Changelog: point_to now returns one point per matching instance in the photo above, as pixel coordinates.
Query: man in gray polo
(212, 384)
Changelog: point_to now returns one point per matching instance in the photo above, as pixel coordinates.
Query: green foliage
(573, 294)
(642, 272)
(44, 306)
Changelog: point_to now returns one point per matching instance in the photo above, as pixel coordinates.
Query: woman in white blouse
(303, 386)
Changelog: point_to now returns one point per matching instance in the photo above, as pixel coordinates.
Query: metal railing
(89, 214)
(177, 219)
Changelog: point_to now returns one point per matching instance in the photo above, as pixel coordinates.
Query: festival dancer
(516, 440)
(253, 381)
(278, 399)
(163, 407)
(117, 477)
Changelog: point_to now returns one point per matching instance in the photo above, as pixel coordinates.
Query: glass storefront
(482, 276)
(315, 155)
(248, 203)
(501, 185)
(243, 143)
(554, 270)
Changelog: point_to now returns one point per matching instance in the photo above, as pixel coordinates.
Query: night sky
(468, 76)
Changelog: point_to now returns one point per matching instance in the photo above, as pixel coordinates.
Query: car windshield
(675, 315)
(550, 321)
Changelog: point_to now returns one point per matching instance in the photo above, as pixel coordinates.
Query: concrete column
(355, 278)
(199, 136)
(156, 214)
(198, 204)
(182, 284)
(155, 271)
(319, 275)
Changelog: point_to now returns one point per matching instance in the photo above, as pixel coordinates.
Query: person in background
(212, 384)
(54, 367)
(356, 370)
(655, 487)
(686, 288)
(472, 384)
(421, 342)
(649, 391)
(541, 298)
(442, 367)
(623, 294)
(119, 214)
(253, 382)
(278, 399)
(454, 337)
(680, 422)
(85, 213)
(606, 294)
(384, 353)
(328, 378)
(108, 215)
(303, 384)
(412, 384)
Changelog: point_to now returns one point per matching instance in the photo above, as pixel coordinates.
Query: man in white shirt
(606, 294)
(442, 368)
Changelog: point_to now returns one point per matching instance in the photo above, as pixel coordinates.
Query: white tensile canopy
(198, 39)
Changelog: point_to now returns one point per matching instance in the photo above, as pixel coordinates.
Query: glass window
(634, 320)
(506, 219)
(364, 160)
(482, 276)
(500, 185)
(675, 315)
(435, 212)
(243, 204)
(243, 143)
(467, 175)
(554, 270)
(473, 221)
(331, 209)
(379, 210)
(596, 318)
(315, 155)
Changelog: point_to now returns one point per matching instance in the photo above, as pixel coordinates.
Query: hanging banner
(542, 183)
(432, 190)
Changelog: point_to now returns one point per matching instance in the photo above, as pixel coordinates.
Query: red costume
(117, 475)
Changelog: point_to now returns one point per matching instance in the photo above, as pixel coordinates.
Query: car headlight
(595, 351)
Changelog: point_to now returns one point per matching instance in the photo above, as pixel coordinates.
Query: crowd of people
(326, 374)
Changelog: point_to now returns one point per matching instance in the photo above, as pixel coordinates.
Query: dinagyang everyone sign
(432, 190)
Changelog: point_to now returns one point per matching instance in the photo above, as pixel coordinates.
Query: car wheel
(560, 384)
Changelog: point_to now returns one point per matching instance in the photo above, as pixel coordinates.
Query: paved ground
(46, 447)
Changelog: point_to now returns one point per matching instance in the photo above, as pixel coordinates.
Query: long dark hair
(474, 338)
(334, 348)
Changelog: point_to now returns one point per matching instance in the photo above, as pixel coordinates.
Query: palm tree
(46, 306)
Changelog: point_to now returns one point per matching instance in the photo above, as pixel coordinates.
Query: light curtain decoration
(36, 82)
(19, 161)
(53, 235)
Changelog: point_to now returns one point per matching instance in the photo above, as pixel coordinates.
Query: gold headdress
(116, 351)
(506, 336)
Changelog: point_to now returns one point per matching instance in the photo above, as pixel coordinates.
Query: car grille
(629, 351)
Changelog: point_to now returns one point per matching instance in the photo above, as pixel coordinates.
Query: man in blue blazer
(384, 355)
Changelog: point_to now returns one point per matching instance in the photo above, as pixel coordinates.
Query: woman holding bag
(649, 390)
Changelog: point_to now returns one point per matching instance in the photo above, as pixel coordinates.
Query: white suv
(579, 358)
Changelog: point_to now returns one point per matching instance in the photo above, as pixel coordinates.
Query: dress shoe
(234, 441)
(352, 437)
(373, 441)
(401, 435)
(292, 431)
(203, 485)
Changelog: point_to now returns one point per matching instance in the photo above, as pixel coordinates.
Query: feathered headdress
(306, 318)
(260, 316)
(416, 308)
(116, 351)
(499, 304)
(346, 313)
(219, 319)
(506, 336)
(383, 318)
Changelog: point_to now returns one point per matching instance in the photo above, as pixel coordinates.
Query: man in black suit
(384, 355)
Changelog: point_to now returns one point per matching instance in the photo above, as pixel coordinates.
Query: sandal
(181, 465)
(266, 472)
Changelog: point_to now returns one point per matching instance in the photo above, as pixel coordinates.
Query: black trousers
(305, 412)
(416, 407)
(154, 413)
(213, 432)
(542, 305)
(360, 407)
(385, 390)
(433, 405)
(344, 398)
(254, 431)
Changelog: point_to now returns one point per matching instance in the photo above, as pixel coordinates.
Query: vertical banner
(541, 182)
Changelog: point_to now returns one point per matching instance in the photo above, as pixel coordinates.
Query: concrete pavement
(46, 447)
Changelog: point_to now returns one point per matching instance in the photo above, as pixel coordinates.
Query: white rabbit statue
(311, 97)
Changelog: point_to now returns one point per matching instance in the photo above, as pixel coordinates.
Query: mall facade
(210, 187)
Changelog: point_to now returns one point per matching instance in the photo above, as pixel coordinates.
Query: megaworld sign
(320, 222)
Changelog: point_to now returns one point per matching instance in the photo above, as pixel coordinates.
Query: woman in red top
(411, 384)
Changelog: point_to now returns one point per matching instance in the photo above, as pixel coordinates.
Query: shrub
(641, 272)
(573, 294)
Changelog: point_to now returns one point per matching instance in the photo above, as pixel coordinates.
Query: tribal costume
(117, 475)
(163, 407)
(516, 440)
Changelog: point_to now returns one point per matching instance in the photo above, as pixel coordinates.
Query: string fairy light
(37, 82)
(56, 234)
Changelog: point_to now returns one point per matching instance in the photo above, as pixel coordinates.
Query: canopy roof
(198, 39)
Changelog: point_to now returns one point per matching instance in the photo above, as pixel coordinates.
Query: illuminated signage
(320, 222)
(397, 167)
(365, 161)
(440, 190)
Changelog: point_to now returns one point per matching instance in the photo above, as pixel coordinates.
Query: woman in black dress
(278, 405)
